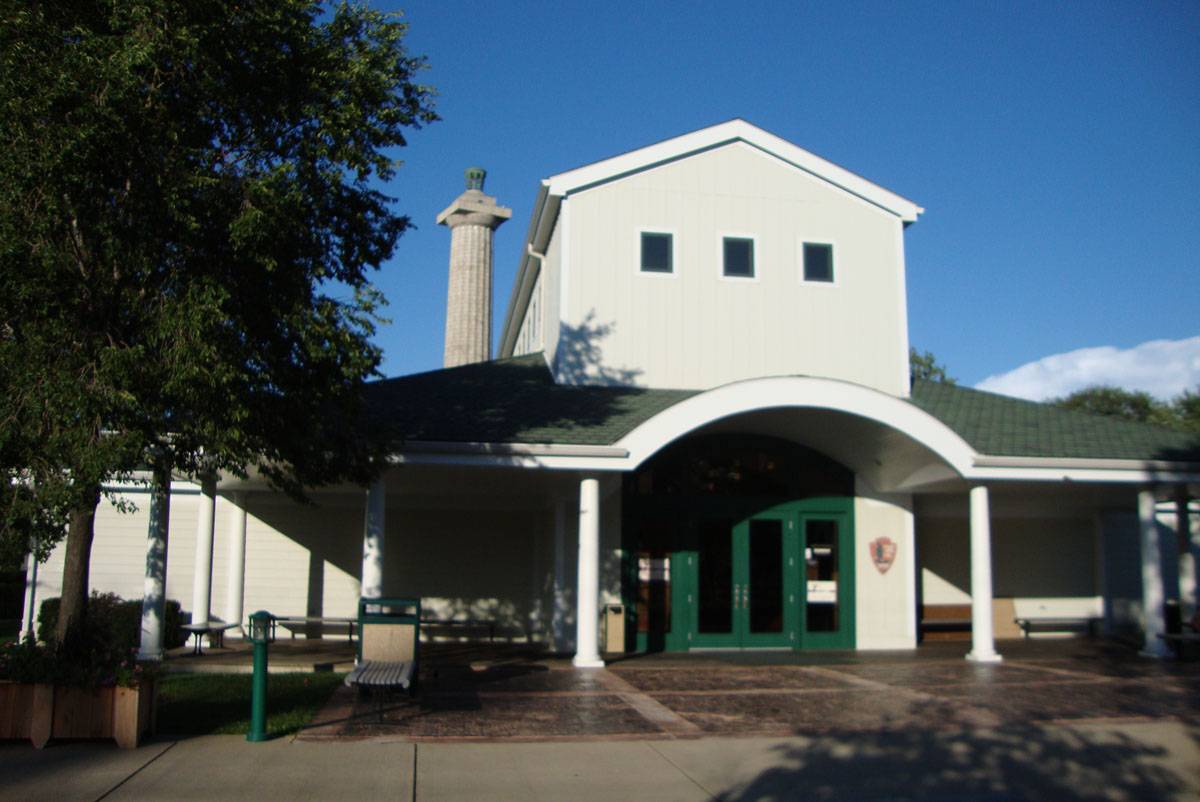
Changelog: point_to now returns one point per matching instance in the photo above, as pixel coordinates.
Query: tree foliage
(923, 366)
(1183, 412)
(190, 207)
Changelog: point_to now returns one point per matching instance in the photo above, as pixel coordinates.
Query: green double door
(782, 578)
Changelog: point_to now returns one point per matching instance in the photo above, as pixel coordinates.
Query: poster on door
(822, 591)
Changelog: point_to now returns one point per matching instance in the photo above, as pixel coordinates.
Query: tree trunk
(72, 612)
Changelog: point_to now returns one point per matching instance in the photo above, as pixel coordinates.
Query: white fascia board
(1074, 469)
(508, 449)
(732, 131)
(523, 461)
(537, 238)
(1131, 476)
(1078, 463)
(799, 392)
(538, 456)
(143, 482)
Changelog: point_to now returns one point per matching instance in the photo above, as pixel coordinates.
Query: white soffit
(733, 131)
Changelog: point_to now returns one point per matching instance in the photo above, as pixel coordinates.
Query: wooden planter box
(42, 712)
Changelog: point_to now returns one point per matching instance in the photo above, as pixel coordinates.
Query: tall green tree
(1187, 410)
(923, 366)
(1115, 402)
(191, 203)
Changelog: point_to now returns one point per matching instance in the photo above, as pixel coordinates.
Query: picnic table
(430, 624)
(1057, 623)
(216, 629)
(295, 623)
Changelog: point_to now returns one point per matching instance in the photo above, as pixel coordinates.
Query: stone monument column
(472, 218)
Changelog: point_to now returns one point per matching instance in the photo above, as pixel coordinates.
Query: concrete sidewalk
(1153, 760)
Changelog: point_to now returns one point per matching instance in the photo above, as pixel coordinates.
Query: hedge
(117, 620)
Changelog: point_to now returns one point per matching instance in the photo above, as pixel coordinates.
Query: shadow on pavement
(1015, 763)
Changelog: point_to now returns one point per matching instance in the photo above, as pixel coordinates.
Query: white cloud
(1163, 368)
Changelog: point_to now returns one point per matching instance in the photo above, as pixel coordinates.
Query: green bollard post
(260, 632)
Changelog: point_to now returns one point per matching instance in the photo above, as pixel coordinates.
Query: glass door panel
(654, 592)
(715, 578)
(821, 560)
(764, 586)
(828, 578)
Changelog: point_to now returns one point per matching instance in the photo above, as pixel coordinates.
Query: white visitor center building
(701, 410)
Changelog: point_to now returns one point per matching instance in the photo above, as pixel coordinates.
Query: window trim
(721, 274)
(833, 261)
(637, 261)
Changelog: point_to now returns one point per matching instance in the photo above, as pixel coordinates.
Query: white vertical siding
(885, 604)
(697, 329)
(1047, 566)
(529, 338)
(118, 563)
(468, 562)
(303, 560)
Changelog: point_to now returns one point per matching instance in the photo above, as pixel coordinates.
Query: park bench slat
(381, 674)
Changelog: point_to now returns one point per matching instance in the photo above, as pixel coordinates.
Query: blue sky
(1055, 148)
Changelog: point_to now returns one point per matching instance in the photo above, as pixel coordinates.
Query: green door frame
(684, 572)
(840, 511)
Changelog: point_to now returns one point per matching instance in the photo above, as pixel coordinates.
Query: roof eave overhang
(1078, 469)
(681, 147)
(537, 237)
(543, 456)
(582, 457)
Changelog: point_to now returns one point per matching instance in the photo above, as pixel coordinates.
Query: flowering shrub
(102, 653)
(86, 662)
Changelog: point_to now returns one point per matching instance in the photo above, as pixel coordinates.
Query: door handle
(746, 597)
(735, 596)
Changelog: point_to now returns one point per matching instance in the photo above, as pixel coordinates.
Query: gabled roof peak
(735, 130)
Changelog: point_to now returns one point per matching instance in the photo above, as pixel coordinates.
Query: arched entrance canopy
(892, 443)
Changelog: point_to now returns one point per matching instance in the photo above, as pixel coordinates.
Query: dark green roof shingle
(997, 425)
(516, 401)
(512, 401)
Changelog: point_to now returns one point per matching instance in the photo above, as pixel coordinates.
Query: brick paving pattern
(504, 697)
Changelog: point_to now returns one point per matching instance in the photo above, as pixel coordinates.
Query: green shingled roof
(512, 401)
(997, 425)
(516, 401)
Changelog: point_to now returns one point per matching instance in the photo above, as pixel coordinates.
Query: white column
(372, 567)
(1189, 555)
(559, 612)
(154, 589)
(202, 571)
(983, 641)
(587, 614)
(235, 590)
(29, 631)
(1152, 578)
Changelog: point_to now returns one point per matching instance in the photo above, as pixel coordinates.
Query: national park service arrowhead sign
(883, 553)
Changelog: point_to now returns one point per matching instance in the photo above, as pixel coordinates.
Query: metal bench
(216, 629)
(389, 636)
(299, 623)
(945, 621)
(1061, 623)
(431, 625)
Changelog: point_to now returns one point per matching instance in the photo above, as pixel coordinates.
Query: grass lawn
(206, 704)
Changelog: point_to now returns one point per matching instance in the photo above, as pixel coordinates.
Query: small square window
(739, 257)
(656, 253)
(818, 262)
